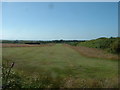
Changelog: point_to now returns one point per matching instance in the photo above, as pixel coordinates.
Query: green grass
(59, 61)
(58, 66)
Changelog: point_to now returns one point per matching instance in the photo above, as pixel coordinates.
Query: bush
(109, 44)
(115, 47)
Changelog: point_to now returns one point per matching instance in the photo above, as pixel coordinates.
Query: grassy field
(61, 61)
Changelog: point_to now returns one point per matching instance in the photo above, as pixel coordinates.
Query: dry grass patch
(93, 52)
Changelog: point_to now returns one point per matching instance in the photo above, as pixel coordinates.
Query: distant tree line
(40, 42)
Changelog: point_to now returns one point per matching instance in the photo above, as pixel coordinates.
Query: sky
(59, 20)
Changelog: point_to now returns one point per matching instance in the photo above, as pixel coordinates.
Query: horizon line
(58, 39)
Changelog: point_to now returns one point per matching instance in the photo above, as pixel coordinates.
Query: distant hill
(109, 44)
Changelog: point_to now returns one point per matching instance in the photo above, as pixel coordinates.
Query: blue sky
(62, 20)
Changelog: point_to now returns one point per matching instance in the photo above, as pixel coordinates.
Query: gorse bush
(10, 79)
(109, 44)
(115, 46)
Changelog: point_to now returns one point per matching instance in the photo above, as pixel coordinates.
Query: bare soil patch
(93, 52)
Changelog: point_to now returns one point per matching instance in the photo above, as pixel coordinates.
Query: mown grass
(62, 62)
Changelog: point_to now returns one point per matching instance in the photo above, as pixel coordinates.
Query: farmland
(66, 66)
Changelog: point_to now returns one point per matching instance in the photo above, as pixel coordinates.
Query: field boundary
(93, 52)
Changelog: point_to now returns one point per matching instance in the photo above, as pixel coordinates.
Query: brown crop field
(25, 45)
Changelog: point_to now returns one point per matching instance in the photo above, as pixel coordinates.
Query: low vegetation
(19, 80)
(57, 66)
(111, 45)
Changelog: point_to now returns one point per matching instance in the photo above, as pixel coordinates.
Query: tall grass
(57, 67)
(19, 80)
